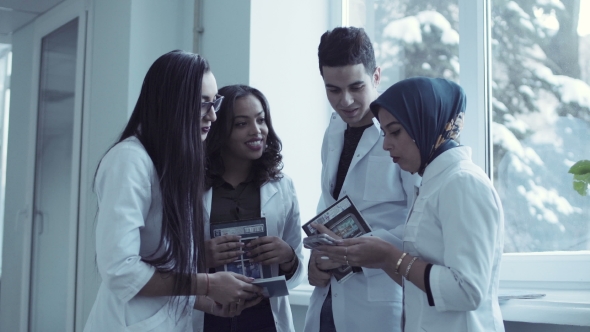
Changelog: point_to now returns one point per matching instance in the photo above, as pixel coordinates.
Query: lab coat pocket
(382, 288)
(382, 183)
(153, 322)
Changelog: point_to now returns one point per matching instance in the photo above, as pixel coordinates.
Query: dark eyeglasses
(206, 105)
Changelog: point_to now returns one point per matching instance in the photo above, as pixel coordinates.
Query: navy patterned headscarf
(431, 110)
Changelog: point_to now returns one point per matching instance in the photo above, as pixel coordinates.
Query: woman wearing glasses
(245, 181)
(208, 103)
(149, 230)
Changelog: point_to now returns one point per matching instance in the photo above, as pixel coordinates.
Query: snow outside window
(541, 121)
(538, 121)
(411, 37)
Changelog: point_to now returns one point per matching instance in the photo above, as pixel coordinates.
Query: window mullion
(474, 59)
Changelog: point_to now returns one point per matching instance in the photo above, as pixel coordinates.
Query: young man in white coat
(355, 164)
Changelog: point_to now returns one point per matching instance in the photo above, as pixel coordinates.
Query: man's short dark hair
(344, 46)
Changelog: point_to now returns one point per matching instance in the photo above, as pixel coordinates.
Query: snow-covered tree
(541, 107)
(541, 114)
(417, 38)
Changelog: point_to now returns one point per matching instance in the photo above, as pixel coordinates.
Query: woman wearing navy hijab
(449, 263)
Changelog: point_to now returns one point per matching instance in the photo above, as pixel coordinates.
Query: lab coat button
(335, 295)
(358, 155)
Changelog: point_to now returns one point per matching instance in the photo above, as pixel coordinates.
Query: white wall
(157, 27)
(225, 41)
(284, 66)
(266, 44)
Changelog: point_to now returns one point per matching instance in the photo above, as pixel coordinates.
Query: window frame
(545, 270)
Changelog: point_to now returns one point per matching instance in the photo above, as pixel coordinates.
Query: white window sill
(301, 294)
(561, 307)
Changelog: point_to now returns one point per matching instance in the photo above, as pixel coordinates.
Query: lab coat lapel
(368, 140)
(269, 211)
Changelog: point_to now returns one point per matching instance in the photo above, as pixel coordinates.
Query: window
(539, 109)
(411, 38)
(541, 121)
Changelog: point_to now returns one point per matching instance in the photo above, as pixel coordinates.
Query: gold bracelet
(409, 267)
(399, 262)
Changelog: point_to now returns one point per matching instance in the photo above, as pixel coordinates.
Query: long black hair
(166, 120)
(269, 166)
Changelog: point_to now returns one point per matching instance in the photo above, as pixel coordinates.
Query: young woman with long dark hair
(244, 181)
(149, 233)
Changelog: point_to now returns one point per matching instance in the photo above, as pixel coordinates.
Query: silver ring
(345, 251)
(346, 259)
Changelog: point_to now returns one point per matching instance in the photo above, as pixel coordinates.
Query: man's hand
(319, 275)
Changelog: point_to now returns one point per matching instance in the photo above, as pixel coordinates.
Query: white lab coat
(456, 224)
(371, 300)
(128, 227)
(279, 206)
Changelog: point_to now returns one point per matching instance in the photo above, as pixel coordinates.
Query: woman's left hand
(269, 250)
(366, 251)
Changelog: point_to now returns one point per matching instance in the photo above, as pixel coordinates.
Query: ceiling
(15, 14)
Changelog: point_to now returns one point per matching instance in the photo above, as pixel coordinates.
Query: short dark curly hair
(269, 166)
(344, 46)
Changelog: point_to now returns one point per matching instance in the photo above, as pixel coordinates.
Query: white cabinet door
(57, 164)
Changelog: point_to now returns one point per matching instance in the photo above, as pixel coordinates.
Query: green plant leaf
(582, 183)
(581, 167)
